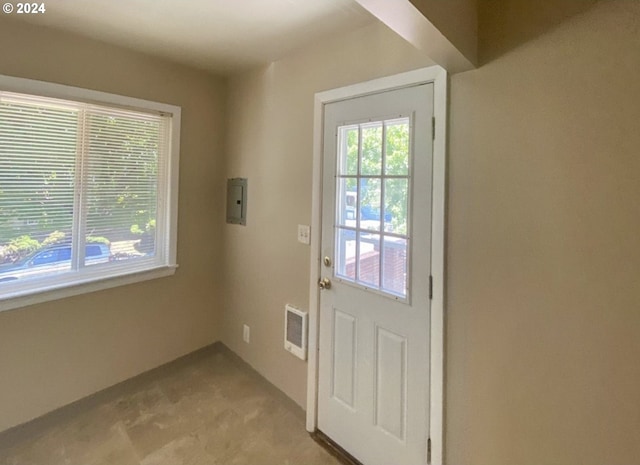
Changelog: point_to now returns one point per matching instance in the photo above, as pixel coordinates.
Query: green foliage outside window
(38, 176)
(396, 163)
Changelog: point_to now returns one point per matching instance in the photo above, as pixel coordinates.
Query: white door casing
(382, 394)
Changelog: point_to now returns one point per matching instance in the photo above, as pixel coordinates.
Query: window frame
(52, 289)
(357, 229)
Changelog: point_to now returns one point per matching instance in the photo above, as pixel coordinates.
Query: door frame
(438, 77)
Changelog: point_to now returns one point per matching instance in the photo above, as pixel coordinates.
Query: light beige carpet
(207, 408)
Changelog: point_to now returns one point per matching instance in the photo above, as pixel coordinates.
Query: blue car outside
(51, 259)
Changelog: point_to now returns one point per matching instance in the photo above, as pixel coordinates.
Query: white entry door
(373, 379)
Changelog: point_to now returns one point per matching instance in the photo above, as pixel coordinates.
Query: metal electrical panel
(237, 201)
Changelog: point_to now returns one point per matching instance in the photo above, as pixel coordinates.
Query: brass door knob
(324, 283)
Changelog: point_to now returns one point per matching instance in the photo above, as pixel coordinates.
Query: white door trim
(437, 76)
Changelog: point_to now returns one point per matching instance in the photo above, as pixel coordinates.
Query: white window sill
(82, 287)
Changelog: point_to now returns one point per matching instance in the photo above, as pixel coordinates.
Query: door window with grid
(372, 205)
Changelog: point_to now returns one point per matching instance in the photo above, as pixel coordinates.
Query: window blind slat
(73, 166)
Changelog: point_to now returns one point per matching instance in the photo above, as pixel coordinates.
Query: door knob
(324, 283)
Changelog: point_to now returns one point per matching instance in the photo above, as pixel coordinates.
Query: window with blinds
(85, 190)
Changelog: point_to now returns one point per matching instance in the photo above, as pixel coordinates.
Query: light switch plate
(304, 233)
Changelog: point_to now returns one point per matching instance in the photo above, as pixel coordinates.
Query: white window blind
(85, 192)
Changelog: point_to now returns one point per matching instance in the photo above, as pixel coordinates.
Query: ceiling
(222, 36)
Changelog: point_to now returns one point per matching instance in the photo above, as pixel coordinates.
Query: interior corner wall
(270, 142)
(457, 20)
(57, 352)
(543, 309)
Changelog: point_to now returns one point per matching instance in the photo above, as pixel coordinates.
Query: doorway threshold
(334, 449)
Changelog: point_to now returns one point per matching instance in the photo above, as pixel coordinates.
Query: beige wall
(543, 250)
(506, 24)
(54, 353)
(543, 256)
(270, 142)
(457, 20)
